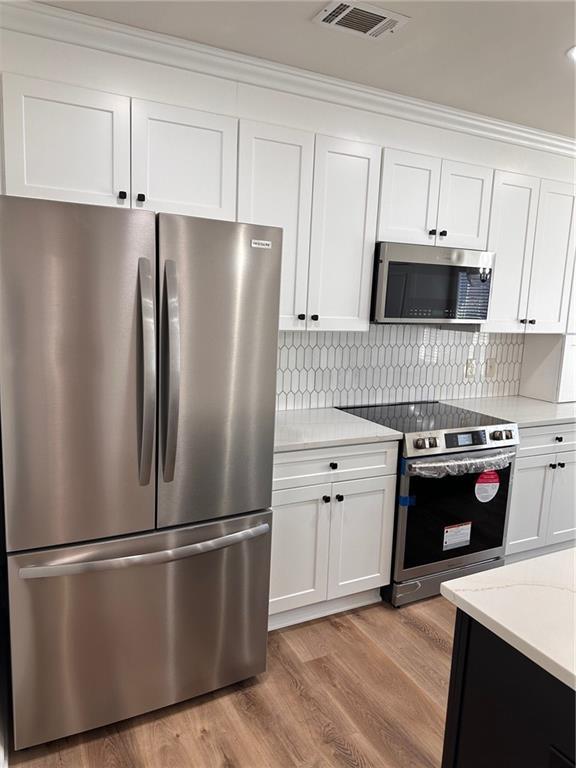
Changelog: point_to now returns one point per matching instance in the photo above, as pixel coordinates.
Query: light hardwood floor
(364, 689)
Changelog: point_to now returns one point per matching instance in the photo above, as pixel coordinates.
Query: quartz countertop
(324, 427)
(524, 411)
(530, 605)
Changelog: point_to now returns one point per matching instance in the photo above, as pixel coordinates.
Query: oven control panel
(464, 439)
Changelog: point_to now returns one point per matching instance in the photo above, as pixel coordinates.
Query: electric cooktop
(433, 427)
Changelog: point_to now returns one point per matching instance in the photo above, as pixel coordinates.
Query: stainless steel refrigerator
(137, 388)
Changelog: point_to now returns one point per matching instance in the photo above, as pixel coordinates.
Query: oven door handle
(459, 464)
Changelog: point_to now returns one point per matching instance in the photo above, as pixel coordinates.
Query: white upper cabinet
(429, 201)
(511, 237)
(409, 197)
(66, 143)
(276, 165)
(344, 210)
(183, 161)
(571, 324)
(553, 259)
(464, 205)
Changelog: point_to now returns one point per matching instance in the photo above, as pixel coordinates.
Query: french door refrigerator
(137, 387)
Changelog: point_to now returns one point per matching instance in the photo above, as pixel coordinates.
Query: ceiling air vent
(361, 19)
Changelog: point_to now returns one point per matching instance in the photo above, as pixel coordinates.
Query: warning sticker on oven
(457, 535)
(487, 485)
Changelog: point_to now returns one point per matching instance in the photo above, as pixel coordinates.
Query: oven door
(424, 283)
(452, 511)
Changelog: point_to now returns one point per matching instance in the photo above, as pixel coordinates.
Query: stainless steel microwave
(428, 283)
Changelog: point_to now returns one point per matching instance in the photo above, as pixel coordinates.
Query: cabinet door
(530, 503)
(184, 161)
(464, 207)
(408, 197)
(300, 535)
(275, 188)
(361, 533)
(553, 259)
(66, 143)
(562, 525)
(344, 208)
(511, 237)
(571, 324)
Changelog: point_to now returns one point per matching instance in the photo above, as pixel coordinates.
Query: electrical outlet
(490, 368)
(470, 369)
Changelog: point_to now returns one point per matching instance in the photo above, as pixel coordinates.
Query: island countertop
(324, 427)
(530, 604)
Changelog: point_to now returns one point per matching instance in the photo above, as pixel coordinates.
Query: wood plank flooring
(363, 689)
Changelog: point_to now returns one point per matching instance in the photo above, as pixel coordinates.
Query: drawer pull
(339, 497)
(559, 439)
(553, 466)
(561, 464)
(333, 465)
(326, 499)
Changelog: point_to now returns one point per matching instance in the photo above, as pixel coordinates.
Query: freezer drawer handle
(150, 558)
(172, 370)
(148, 413)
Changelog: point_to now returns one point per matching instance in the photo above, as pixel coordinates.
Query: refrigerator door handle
(172, 368)
(148, 408)
(149, 558)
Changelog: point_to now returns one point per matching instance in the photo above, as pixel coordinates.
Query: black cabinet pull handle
(314, 317)
(524, 320)
(333, 465)
(301, 317)
(325, 499)
(561, 464)
(532, 322)
(552, 466)
(122, 195)
(559, 439)
(140, 197)
(443, 232)
(431, 231)
(339, 497)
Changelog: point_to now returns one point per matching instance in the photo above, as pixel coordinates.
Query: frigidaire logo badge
(261, 244)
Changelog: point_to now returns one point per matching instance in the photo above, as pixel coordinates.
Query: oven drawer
(537, 440)
(293, 469)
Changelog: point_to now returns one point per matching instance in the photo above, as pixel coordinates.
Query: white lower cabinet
(361, 532)
(530, 502)
(562, 522)
(331, 540)
(300, 538)
(542, 510)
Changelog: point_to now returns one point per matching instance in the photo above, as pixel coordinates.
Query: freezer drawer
(102, 632)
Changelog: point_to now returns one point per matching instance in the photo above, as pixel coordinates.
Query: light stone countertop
(530, 605)
(324, 427)
(525, 411)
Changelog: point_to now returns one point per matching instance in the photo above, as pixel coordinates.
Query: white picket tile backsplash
(393, 363)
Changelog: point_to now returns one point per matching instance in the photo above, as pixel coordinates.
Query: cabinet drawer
(537, 440)
(310, 467)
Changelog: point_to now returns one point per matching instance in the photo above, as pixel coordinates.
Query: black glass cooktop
(422, 417)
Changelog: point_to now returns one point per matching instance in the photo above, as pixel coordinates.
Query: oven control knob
(432, 442)
(497, 435)
(420, 442)
(509, 434)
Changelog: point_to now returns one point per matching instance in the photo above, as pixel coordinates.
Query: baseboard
(325, 608)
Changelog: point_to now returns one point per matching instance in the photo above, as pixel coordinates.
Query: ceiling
(502, 58)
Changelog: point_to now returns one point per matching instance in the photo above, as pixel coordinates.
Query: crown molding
(68, 27)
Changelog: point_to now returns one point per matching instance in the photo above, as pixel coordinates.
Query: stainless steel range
(453, 493)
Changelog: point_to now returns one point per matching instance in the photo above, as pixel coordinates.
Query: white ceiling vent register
(361, 19)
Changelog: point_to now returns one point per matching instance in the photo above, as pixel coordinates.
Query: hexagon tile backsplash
(394, 363)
